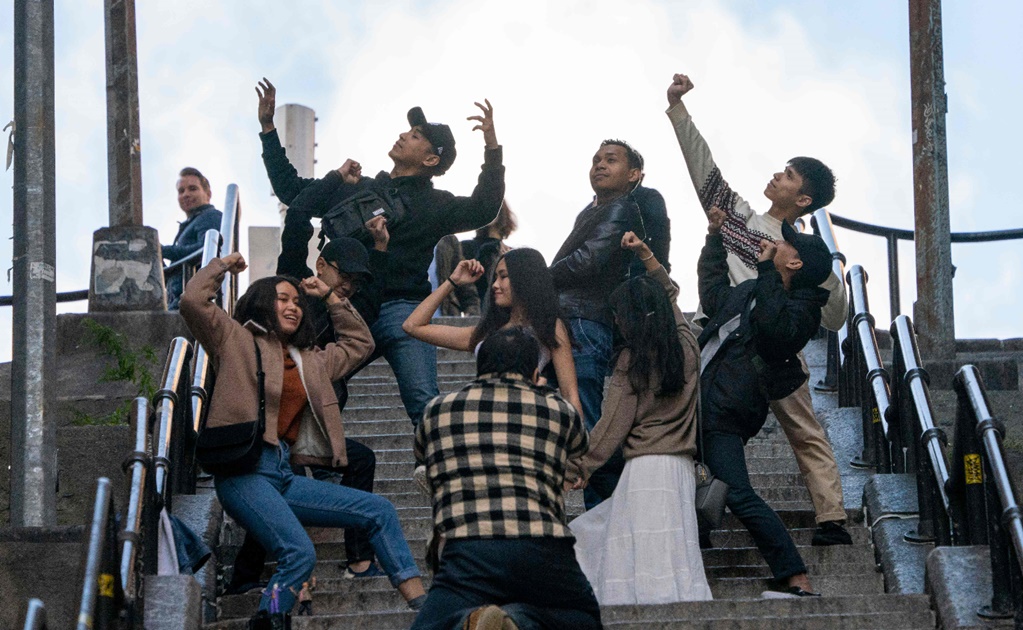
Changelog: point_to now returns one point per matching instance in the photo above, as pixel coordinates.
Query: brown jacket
(236, 398)
(647, 424)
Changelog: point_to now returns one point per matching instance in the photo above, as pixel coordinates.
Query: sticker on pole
(41, 271)
(876, 415)
(974, 470)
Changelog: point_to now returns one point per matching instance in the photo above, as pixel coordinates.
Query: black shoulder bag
(234, 449)
(711, 492)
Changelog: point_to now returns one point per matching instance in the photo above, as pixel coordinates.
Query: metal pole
(933, 311)
(894, 297)
(33, 395)
(124, 160)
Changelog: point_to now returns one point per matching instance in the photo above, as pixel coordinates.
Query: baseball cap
(439, 135)
(348, 254)
(813, 252)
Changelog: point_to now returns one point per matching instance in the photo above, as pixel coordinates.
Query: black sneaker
(789, 592)
(831, 533)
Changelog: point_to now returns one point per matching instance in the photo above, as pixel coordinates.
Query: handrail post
(165, 402)
(894, 298)
(821, 222)
(99, 588)
(137, 463)
(35, 615)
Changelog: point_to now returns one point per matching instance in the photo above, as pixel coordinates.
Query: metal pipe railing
(821, 222)
(98, 610)
(868, 377)
(138, 463)
(35, 616)
(892, 237)
(165, 401)
(999, 511)
(923, 443)
(229, 230)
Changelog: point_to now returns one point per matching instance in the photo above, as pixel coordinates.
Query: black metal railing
(892, 237)
(35, 616)
(988, 505)
(863, 380)
(101, 585)
(918, 445)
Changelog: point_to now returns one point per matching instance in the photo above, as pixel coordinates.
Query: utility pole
(933, 312)
(33, 414)
(127, 268)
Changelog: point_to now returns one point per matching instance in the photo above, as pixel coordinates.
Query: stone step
(905, 612)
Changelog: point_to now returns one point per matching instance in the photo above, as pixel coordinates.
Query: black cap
(813, 252)
(348, 254)
(439, 135)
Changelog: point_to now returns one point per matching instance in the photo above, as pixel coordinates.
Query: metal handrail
(923, 441)
(892, 237)
(229, 231)
(868, 373)
(138, 463)
(99, 587)
(821, 222)
(165, 402)
(979, 440)
(35, 617)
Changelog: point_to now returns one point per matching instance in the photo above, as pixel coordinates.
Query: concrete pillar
(126, 266)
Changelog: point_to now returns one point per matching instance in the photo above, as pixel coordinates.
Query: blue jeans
(414, 362)
(537, 582)
(725, 456)
(592, 356)
(273, 504)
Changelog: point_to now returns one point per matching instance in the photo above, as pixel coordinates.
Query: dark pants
(592, 355)
(726, 458)
(358, 474)
(537, 582)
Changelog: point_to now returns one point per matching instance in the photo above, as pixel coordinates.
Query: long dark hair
(533, 288)
(259, 304)
(647, 324)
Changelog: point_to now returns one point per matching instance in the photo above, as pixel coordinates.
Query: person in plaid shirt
(495, 454)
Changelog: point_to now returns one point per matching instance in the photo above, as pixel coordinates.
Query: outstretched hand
(486, 124)
(467, 272)
(267, 103)
(680, 85)
(715, 219)
(234, 263)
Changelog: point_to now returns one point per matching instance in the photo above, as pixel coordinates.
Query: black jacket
(432, 213)
(591, 263)
(656, 228)
(757, 361)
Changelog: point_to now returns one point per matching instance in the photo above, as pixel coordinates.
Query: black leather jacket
(592, 262)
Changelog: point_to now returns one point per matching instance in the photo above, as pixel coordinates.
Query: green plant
(130, 366)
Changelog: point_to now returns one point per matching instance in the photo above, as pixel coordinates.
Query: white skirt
(641, 545)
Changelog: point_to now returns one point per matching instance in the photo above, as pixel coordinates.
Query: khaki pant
(813, 451)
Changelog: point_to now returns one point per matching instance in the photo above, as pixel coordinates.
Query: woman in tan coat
(301, 413)
(641, 546)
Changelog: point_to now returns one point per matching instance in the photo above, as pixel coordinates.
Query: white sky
(774, 80)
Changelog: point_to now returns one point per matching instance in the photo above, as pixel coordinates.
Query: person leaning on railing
(271, 502)
(194, 196)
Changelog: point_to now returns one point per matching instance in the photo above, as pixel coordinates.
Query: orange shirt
(293, 401)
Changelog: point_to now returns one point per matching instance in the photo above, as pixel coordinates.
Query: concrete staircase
(853, 588)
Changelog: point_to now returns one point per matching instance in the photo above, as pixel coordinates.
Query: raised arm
(712, 268)
(419, 326)
(710, 185)
(210, 324)
(469, 213)
(354, 341)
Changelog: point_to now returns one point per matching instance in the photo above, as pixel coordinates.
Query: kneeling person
(495, 454)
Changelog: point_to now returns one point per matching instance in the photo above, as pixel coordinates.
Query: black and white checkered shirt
(495, 454)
